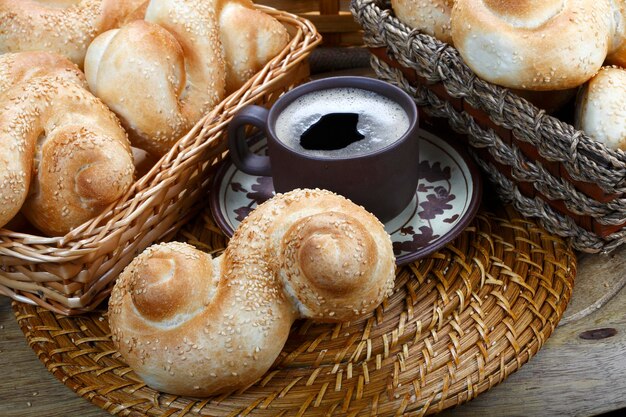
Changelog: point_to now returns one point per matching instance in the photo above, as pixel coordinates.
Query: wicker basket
(573, 185)
(74, 273)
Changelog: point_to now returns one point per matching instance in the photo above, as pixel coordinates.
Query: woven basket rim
(87, 237)
(616, 158)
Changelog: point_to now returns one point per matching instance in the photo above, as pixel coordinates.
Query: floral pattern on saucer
(445, 201)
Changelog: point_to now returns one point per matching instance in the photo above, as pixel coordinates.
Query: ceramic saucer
(446, 199)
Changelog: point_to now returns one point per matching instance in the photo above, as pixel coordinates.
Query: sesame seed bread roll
(601, 108)
(192, 325)
(161, 75)
(533, 44)
(63, 155)
(429, 16)
(250, 39)
(66, 27)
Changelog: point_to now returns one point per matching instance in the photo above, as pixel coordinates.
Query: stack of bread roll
(152, 70)
(161, 74)
(65, 27)
(537, 46)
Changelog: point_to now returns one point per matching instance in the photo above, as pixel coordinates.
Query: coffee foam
(381, 120)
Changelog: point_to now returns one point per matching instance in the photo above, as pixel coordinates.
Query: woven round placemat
(459, 322)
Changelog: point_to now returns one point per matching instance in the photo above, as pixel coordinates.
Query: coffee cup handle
(240, 152)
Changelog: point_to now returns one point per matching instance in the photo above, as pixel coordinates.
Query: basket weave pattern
(572, 184)
(459, 322)
(74, 273)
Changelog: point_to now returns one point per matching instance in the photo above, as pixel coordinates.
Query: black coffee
(379, 120)
(331, 132)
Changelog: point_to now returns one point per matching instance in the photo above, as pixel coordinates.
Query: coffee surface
(381, 122)
(331, 132)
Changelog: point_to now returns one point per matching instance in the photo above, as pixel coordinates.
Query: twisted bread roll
(66, 27)
(160, 76)
(63, 155)
(601, 107)
(190, 325)
(139, 71)
(429, 16)
(533, 44)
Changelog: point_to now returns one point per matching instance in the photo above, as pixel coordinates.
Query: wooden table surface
(569, 376)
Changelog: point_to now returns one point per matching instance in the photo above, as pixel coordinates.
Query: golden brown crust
(190, 326)
(65, 27)
(160, 76)
(333, 258)
(139, 72)
(533, 44)
(525, 9)
(66, 156)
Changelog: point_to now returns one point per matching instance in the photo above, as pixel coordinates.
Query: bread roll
(617, 51)
(160, 76)
(192, 325)
(428, 16)
(66, 27)
(250, 39)
(143, 74)
(533, 44)
(63, 155)
(601, 108)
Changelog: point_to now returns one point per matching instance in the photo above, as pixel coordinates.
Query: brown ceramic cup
(383, 181)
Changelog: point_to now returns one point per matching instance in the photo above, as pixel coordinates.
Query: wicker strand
(610, 213)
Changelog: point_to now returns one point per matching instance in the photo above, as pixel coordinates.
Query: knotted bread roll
(601, 107)
(192, 325)
(63, 154)
(429, 16)
(160, 76)
(66, 27)
(533, 44)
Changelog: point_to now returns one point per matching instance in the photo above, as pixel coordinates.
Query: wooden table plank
(27, 389)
